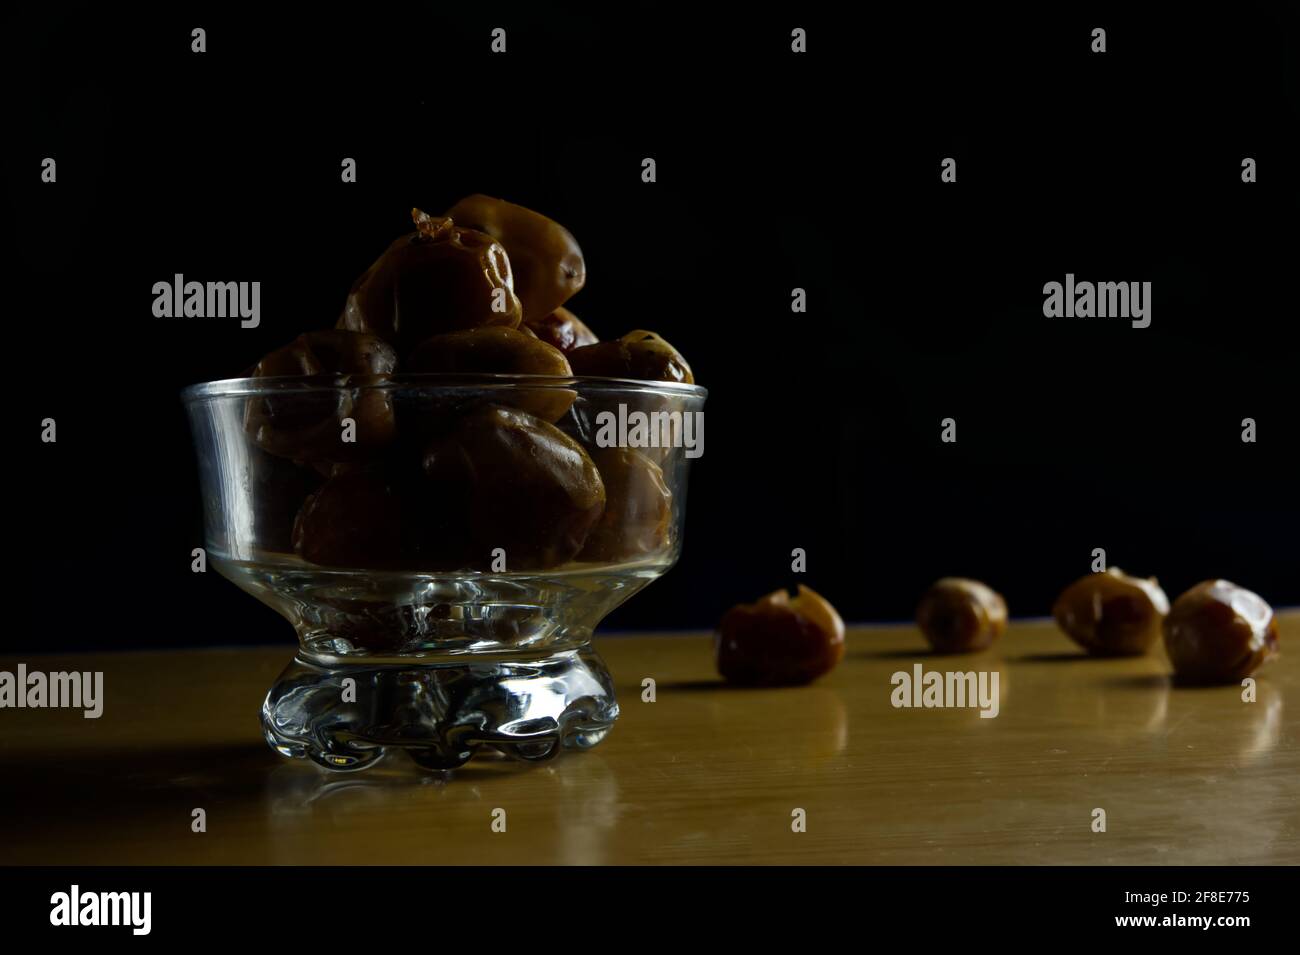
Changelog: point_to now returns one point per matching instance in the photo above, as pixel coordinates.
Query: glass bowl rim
(430, 381)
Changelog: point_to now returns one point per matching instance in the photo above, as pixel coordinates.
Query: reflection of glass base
(439, 713)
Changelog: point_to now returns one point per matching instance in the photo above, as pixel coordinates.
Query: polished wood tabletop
(705, 773)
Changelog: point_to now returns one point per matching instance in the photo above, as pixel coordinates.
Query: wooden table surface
(705, 774)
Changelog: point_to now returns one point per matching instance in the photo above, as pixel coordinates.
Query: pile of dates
(439, 484)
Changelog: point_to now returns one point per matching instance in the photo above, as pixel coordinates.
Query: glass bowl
(444, 547)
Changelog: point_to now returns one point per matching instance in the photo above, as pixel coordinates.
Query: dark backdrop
(774, 171)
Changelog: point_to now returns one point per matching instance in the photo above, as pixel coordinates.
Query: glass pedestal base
(346, 713)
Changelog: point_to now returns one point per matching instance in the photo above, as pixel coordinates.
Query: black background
(774, 171)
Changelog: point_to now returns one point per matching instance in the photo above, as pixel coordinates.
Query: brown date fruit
(308, 427)
(440, 278)
(1111, 614)
(501, 351)
(380, 518)
(279, 488)
(779, 640)
(958, 615)
(1218, 632)
(638, 354)
(637, 520)
(547, 262)
(529, 488)
(562, 329)
(355, 520)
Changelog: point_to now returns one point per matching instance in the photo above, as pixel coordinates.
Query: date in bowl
(444, 547)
